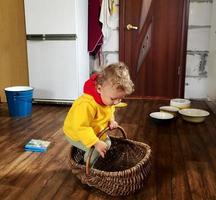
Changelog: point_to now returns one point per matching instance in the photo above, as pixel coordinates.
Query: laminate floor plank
(183, 155)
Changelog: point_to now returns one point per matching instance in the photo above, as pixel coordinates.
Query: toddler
(94, 110)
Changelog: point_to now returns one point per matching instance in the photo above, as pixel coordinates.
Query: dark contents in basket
(78, 155)
(121, 156)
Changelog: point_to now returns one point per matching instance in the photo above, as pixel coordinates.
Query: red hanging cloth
(95, 36)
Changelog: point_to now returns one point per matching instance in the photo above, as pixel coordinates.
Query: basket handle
(92, 148)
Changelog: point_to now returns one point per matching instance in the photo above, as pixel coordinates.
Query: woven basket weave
(123, 170)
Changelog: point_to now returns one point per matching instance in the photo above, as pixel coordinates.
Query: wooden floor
(183, 164)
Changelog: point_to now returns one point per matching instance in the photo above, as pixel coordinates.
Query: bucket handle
(23, 98)
(92, 148)
(20, 94)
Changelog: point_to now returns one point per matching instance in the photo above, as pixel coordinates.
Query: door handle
(131, 27)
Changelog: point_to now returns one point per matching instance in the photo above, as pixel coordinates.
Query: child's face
(109, 94)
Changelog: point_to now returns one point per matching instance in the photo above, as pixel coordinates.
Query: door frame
(182, 44)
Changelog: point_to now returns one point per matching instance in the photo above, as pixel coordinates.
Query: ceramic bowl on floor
(194, 115)
(169, 109)
(180, 103)
(161, 117)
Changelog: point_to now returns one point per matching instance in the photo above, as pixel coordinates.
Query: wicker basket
(123, 170)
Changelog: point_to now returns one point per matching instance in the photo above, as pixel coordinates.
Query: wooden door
(153, 35)
(13, 54)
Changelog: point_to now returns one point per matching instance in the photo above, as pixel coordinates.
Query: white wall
(211, 84)
(198, 49)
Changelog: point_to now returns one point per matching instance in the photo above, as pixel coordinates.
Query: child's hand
(113, 124)
(101, 147)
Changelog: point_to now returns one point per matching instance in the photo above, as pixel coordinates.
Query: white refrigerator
(58, 59)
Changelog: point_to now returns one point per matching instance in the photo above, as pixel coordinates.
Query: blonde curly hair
(118, 75)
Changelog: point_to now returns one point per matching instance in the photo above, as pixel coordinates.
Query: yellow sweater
(85, 119)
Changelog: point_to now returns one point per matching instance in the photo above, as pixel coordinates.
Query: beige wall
(212, 57)
(13, 56)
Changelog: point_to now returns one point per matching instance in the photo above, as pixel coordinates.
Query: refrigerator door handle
(41, 37)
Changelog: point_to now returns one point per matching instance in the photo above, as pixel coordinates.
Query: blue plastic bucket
(19, 99)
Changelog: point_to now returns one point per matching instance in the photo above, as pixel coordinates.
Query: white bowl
(161, 116)
(169, 109)
(180, 103)
(194, 115)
